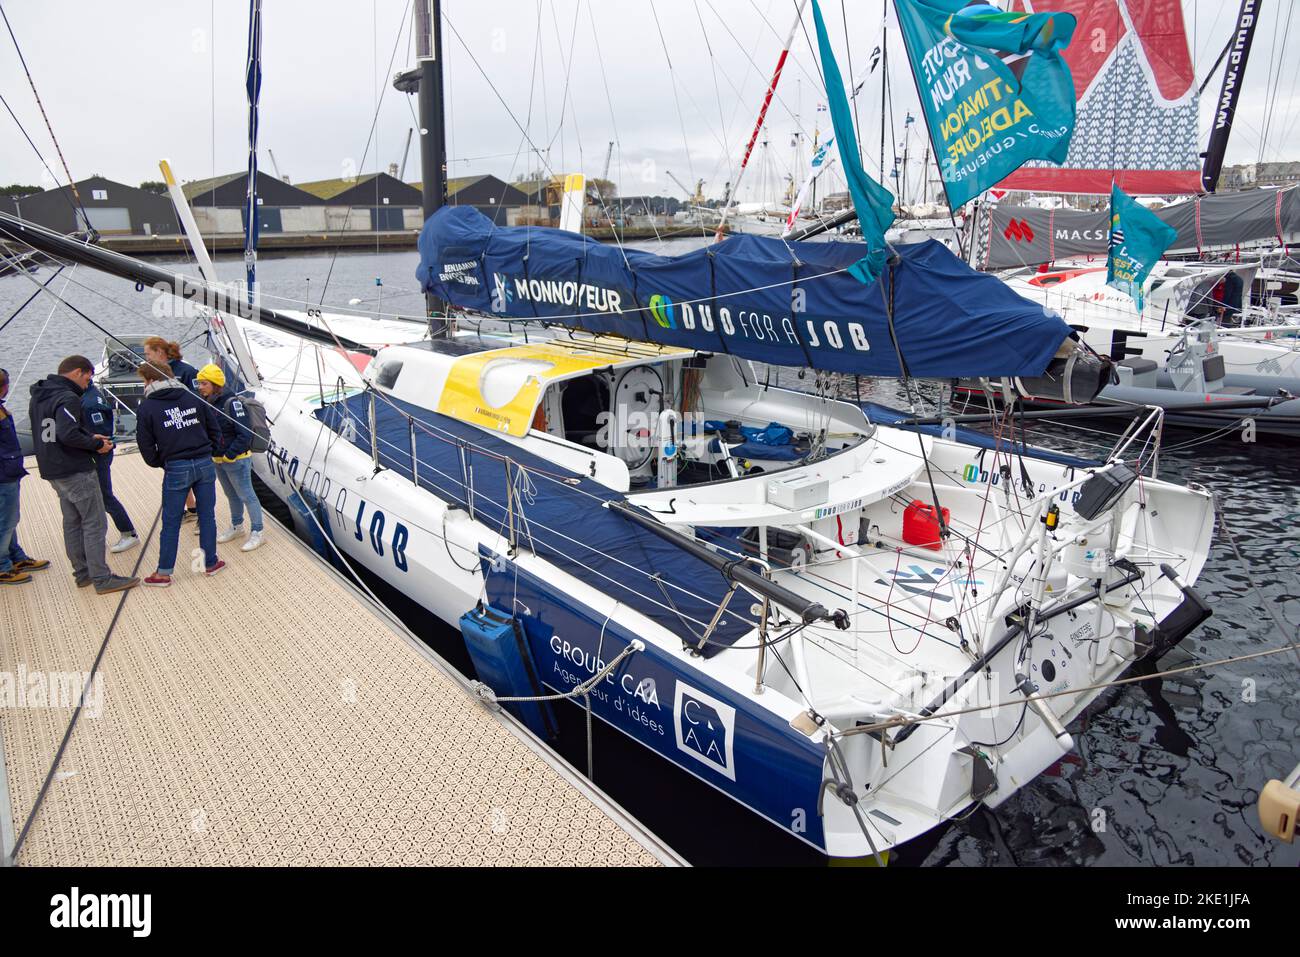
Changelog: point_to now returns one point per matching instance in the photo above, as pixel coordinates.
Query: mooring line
(72, 724)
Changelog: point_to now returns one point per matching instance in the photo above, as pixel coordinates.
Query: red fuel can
(921, 525)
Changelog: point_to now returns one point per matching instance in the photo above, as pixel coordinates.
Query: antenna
(401, 174)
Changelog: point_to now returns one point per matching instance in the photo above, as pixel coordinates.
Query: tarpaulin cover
(1010, 236)
(562, 521)
(782, 303)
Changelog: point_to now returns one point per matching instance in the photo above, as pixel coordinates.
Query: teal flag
(994, 86)
(1138, 238)
(873, 203)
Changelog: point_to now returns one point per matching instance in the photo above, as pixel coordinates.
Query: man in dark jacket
(177, 431)
(98, 411)
(15, 565)
(65, 454)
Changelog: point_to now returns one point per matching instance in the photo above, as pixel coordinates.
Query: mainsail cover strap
(794, 286)
(734, 297)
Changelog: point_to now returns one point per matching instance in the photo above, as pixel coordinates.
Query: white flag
(822, 160)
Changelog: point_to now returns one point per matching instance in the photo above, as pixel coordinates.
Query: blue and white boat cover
(765, 299)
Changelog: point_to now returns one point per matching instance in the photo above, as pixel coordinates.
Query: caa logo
(706, 729)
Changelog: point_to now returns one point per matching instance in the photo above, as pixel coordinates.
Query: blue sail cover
(791, 304)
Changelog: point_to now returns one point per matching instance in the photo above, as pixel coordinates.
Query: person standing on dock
(177, 432)
(165, 355)
(99, 418)
(234, 457)
(65, 454)
(15, 566)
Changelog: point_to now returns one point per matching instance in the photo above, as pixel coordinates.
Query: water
(46, 331)
(1164, 772)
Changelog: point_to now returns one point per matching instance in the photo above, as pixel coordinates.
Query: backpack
(258, 421)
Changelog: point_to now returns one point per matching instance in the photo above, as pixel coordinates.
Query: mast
(734, 188)
(253, 85)
(433, 148)
(1234, 75)
(884, 87)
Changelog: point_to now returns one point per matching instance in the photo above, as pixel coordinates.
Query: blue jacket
(97, 412)
(11, 453)
(184, 373)
(236, 429)
(172, 424)
(70, 448)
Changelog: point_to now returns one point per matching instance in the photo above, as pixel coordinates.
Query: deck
(269, 715)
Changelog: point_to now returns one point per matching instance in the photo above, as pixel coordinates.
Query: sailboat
(1176, 352)
(856, 632)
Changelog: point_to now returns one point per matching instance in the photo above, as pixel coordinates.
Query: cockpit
(645, 416)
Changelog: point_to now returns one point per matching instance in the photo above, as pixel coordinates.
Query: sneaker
(14, 577)
(31, 565)
(116, 583)
(229, 534)
(157, 580)
(254, 540)
(125, 543)
(191, 514)
(213, 569)
(81, 582)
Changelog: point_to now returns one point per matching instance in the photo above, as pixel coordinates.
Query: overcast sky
(128, 82)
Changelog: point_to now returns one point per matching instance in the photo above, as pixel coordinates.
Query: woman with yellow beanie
(234, 459)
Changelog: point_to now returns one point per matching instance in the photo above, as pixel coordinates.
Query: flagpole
(734, 189)
(253, 83)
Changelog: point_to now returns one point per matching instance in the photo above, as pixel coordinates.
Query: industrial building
(218, 204)
(378, 201)
(114, 209)
(493, 197)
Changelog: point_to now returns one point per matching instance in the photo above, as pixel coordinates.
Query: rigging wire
(49, 171)
(672, 76)
(53, 139)
(404, 23)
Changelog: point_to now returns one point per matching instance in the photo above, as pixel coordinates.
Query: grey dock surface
(268, 715)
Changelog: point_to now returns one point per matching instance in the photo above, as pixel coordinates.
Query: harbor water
(1165, 771)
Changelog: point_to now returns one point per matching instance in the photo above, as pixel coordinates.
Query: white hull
(431, 551)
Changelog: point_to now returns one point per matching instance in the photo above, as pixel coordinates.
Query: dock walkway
(268, 715)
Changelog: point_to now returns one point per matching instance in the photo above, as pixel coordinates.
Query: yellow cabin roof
(500, 389)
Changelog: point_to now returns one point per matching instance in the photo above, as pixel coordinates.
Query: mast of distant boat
(734, 189)
(253, 84)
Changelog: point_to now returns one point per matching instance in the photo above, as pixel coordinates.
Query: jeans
(179, 476)
(115, 509)
(10, 551)
(237, 481)
(84, 525)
